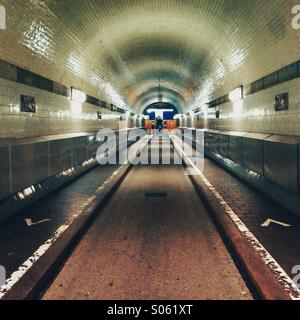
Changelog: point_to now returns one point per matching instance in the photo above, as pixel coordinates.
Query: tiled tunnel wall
(54, 113)
(256, 113)
(38, 146)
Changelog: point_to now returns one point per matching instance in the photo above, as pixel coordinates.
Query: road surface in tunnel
(153, 240)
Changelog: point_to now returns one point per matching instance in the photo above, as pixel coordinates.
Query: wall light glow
(238, 108)
(205, 111)
(236, 94)
(76, 108)
(110, 116)
(78, 96)
(2, 18)
(163, 110)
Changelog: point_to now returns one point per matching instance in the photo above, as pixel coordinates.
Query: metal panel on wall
(223, 144)
(281, 161)
(60, 156)
(212, 141)
(252, 152)
(4, 172)
(235, 152)
(30, 164)
(79, 150)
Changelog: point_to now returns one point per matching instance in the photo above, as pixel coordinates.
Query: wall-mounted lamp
(78, 96)
(236, 94)
(2, 18)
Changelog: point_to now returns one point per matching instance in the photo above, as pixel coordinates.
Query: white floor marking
(30, 223)
(17, 275)
(278, 271)
(269, 221)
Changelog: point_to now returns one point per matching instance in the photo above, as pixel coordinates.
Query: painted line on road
(18, 274)
(275, 267)
(23, 269)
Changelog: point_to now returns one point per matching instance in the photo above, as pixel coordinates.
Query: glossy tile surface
(120, 49)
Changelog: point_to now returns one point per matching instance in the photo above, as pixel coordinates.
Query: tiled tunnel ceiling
(119, 49)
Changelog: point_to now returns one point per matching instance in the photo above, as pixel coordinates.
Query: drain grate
(156, 194)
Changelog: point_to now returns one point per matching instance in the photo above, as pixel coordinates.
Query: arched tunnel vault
(118, 50)
(159, 105)
(152, 95)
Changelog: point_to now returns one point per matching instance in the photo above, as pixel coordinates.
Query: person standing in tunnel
(159, 123)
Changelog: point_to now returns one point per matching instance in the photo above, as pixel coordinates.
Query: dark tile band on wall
(282, 75)
(14, 73)
(287, 73)
(33, 80)
(219, 101)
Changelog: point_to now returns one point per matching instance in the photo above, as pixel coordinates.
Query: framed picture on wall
(28, 104)
(281, 102)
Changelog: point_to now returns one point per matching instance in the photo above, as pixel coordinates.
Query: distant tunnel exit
(160, 116)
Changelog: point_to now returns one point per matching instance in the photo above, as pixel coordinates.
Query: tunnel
(150, 150)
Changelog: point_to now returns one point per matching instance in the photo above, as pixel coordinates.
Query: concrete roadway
(153, 240)
(18, 241)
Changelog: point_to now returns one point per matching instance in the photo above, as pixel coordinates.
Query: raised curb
(37, 278)
(261, 277)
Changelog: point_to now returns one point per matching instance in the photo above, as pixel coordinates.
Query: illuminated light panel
(205, 111)
(78, 96)
(2, 18)
(238, 108)
(236, 94)
(110, 116)
(76, 108)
